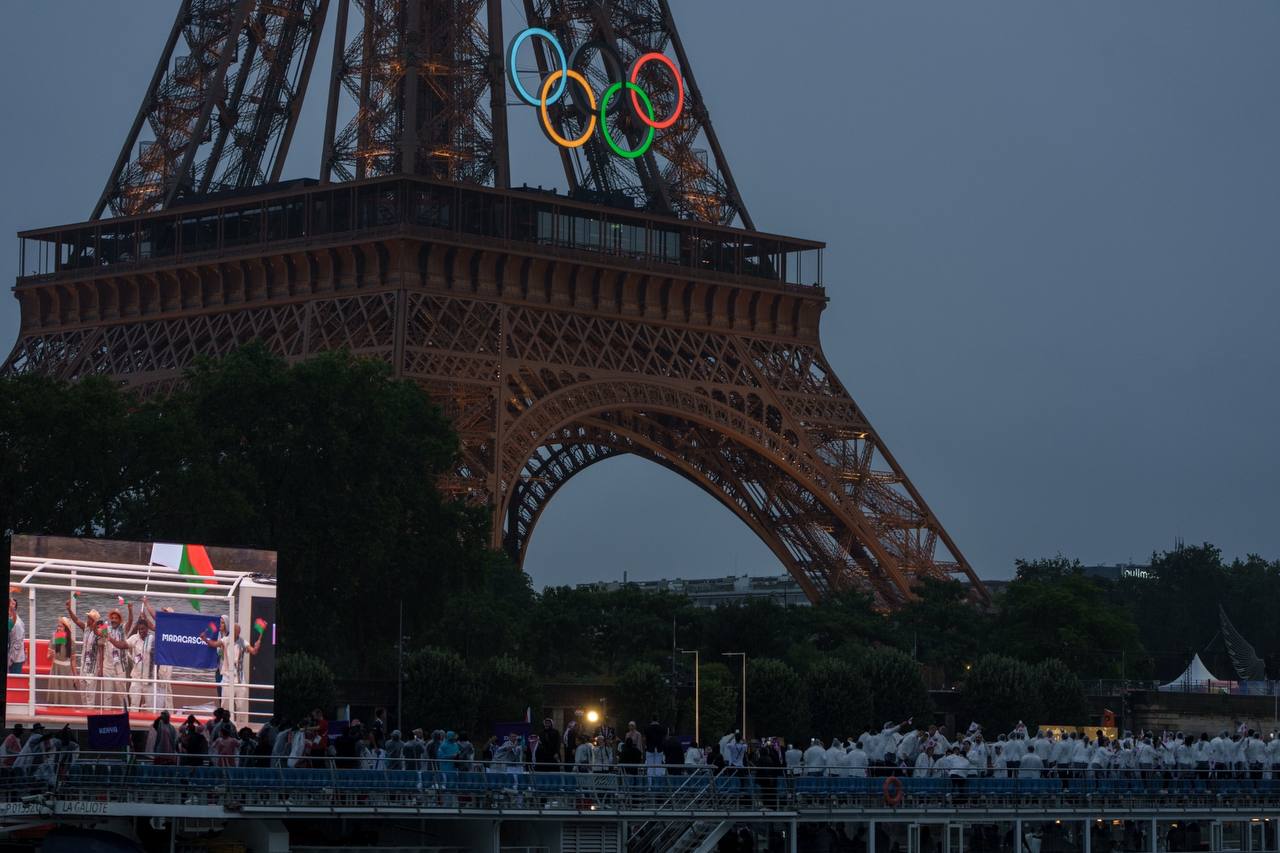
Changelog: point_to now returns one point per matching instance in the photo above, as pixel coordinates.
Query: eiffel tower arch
(639, 314)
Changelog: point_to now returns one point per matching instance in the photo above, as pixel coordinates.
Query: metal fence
(134, 778)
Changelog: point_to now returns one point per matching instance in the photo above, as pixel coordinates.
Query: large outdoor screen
(101, 627)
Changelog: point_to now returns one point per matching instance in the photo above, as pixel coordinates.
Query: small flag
(213, 626)
(59, 640)
(260, 625)
(120, 599)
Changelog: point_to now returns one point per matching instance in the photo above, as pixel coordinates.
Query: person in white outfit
(815, 763)
(794, 759)
(833, 759)
(857, 762)
(1032, 765)
(924, 764)
(999, 764)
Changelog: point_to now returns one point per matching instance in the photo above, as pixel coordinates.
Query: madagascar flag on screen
(188, 560)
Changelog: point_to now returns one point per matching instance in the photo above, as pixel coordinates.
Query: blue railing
(434, 784)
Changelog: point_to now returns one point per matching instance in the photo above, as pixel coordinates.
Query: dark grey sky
(1054, 238)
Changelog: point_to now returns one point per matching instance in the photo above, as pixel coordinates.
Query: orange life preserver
(893, 792)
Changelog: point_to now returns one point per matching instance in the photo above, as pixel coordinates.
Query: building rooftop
(712, 592)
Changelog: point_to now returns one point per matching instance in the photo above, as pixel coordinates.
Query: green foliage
(439, 690)
(641, 691)
(898, 691)
(507, 688)
(840, 700)
(721, 701)
(66, 456)
(303, 683)
(999, 691)
(777, 703)
(757, 627)
(1061, 695)
(589, 630)
(1052, 609)
(942, 627)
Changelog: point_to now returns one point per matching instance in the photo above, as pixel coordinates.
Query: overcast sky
(1054, 240)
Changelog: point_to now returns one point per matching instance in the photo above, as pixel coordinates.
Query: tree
(999, 692)
(641, 692)
(941, 627)
(508, 687)
(757, 627)
(303, 683)
(332, 462)
(840, 701)
(439, 691)
(1061, 695)
(898, 691)
(777, 703)
(721, 702)
(1052, 609)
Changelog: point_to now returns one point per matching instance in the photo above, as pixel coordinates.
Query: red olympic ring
(675, 74)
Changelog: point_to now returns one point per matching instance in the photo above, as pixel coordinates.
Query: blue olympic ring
(515, 78)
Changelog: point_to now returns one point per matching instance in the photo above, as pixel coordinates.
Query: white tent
(1195, 677)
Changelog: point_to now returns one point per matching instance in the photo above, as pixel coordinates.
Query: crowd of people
(902, 750)
(908, 750)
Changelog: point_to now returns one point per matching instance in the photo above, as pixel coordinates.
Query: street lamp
(697, 697)
(593, 716)
(742, 655)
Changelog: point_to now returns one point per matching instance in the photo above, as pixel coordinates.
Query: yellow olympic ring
(546, 119)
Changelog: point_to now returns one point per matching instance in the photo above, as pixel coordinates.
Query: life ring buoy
(893, 791)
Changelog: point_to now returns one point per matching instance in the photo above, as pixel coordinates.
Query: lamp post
(742, 655)
(697, 696)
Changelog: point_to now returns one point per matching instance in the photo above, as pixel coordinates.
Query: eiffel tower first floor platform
(555, 333)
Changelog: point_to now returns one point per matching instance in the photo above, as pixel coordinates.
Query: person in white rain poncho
(1061, 755)
(857, 760)
(794, 759)
(977, 756)
(910, 745)
(1032, 766)
(924, 764)
(1014, 749)
(815, 756)
(1043, 742)
(999, 765)
(953, 765)
(833, 759)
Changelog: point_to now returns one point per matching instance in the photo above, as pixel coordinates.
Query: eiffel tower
(640, 312)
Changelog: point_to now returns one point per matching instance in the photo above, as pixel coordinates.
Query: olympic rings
(515, 78)
(591, 98)
(604, 121)
(635, 76)
(563, 73)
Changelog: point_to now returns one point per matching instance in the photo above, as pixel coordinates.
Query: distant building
(1118, 571)
(713, 592)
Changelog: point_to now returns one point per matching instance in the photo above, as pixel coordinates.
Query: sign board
(180, 641)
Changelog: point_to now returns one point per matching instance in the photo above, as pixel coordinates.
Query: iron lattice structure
(223, 112)
(685, 173)
(556, 333)
(418, 75)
